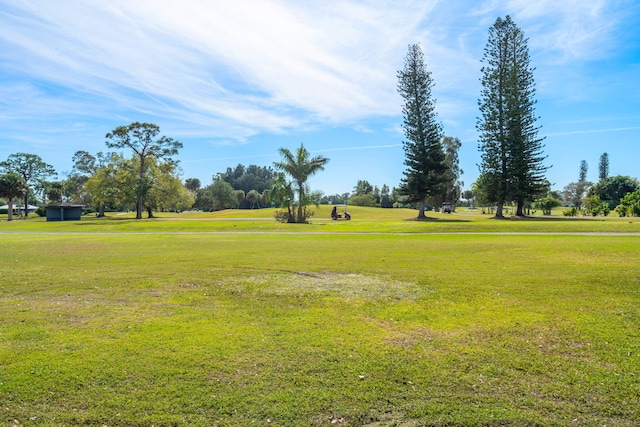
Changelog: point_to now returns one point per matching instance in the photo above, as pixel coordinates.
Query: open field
(120, 322)
(365, 220)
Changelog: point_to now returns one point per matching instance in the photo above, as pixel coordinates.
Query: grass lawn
(164, 323)
(365, 220)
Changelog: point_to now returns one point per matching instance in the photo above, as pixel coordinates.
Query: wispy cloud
(235, 69)
(574, 29)
(213, 64)
(587, 131)
(234, 75)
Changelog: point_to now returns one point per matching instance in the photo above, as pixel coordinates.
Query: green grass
(365, 220)
(232, 329)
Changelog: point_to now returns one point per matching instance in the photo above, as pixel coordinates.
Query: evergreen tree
(584, 167)
(573, 192)
(512, 157)
(603, 167)
(452, 187)
(423, 133)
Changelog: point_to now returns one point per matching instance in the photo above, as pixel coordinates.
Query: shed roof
(66, 205)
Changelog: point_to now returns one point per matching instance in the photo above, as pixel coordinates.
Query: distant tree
(629, 204)
(481, 191)
(362, 200)
(240, 196)
(74, 189)
(12, 186)
(300, 166)
(556, 194)
(252, 177)
(54, 190)
(511, 151)
(468, 196)
(167, 193)
(572, 195)
(192, 184)
(452, 186)
(281, 193)
(218, 195)
(574, 192)
(31, 168)
(594, 206)
(603, 167)
(265, 197)
(386, 201)
(612, 189)
(363, 187)
(141, 139)
(584, 167)
(424, 157)
(547, 204)
(110, 184)
(336, 198)
(253, 197)
(85, 166)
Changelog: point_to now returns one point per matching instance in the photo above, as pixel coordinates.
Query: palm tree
(282, 193)
(11, 186)
(253, 197)
(240, 196)
(300, 166)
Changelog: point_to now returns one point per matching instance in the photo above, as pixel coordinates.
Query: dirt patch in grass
(344, 285)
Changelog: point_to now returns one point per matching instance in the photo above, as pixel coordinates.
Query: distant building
(18, 209)
(64, 212)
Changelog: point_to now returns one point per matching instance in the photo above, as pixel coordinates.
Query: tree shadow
(549, 218)
(439, 220)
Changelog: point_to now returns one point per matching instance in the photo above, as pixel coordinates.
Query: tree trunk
(140, 189)
(10, 211)
(421, 207)
(100, 211)
(139, 208)
(499, 211)
(26, 200)
(520, 209)
(149, 213)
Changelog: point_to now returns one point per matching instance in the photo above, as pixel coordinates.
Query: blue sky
(234, 81)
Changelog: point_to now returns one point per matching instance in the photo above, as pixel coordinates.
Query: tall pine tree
(424, 156)
(603, 167)
(512, 156)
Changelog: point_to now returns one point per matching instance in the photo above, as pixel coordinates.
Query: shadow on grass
(107, 219)
(439, 220)
(552, 218)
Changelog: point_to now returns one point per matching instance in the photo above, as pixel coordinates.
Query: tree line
(617, 193)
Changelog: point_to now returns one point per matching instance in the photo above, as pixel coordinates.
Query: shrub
(629, 204)
(282, 216)
(547, 204)
(592, 206)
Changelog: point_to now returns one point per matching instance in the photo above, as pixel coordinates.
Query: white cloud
(260, 65)
(576, 29)
(231, 70)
